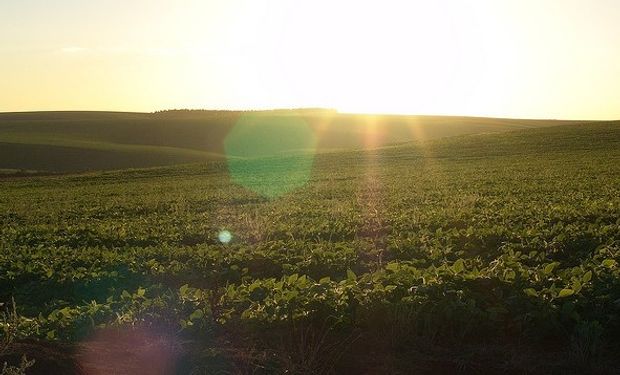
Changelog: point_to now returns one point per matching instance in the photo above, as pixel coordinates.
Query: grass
(480, 253)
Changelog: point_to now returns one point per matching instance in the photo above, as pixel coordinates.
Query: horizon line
(317, 109)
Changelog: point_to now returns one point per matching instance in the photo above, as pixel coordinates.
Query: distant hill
(600, 137)
(80, 141)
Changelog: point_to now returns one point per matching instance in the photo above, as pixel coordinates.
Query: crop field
(82, 141)
(485, 253)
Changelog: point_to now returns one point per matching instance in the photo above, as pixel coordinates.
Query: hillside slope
(592, 137)
(485, 253)
(78, 141)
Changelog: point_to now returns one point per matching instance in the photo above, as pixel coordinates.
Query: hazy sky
(521, 58)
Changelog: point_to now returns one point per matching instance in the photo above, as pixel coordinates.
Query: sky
(508, 58)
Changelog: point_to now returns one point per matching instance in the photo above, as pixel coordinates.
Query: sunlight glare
(224, 236)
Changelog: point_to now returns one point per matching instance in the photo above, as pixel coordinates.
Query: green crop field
(494, 253)
(81, 141)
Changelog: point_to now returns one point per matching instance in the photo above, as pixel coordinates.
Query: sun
(397, 57)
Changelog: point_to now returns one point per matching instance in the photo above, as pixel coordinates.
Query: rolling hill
(80, 141)
(477, 253)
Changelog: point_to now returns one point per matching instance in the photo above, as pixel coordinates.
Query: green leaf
(51, 334)
(609, 263)
(458, 266)
(66, 312)
(183, 290)
(550, 267)
(392, 266)
(140, 292)
(530, 292)
(290, 295)
(293, 278)
(566, 292)
(586, 277)
(351, 275)
(254, 286)
(198, 314)
(325, 280)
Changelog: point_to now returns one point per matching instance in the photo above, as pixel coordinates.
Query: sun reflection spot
(224, 236)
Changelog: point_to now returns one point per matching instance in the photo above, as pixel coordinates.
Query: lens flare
(129, 350)
(224, 236)
(271, 154)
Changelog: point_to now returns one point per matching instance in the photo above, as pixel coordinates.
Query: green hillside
(78, 141)
(480, 253)
(591, 137)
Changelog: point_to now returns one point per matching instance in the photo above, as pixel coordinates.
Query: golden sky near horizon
(509, 58)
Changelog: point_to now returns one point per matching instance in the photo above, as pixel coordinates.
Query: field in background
(79, 141)
(486, 253)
